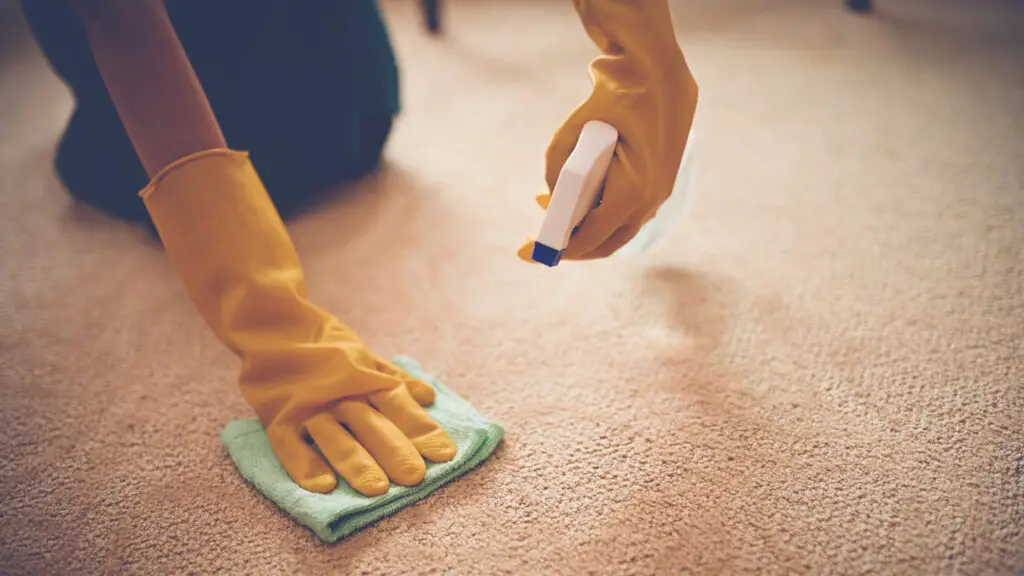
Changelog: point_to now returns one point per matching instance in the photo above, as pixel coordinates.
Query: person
(309, 89)
(177, 105)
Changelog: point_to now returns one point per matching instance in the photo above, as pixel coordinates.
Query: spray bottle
(578, 189)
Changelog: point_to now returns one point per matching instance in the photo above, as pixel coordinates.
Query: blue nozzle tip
(546, 255)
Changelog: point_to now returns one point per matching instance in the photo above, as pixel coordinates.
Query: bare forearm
(150, 80)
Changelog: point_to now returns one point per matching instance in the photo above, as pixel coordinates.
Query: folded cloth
(334, 516)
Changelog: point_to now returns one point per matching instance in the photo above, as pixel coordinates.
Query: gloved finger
(525, 251)
(619, 201)
(387, 444)
(424, 432)
(301, 461)
(421, 391)
(543, 199)
(620, 238)
(366, 379)
(352, 461)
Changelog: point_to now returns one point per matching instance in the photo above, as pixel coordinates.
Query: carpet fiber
(822, 373)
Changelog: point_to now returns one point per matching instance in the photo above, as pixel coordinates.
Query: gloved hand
(643, 88)
(308, 377)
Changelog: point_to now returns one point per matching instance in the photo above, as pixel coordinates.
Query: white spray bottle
(578, 189)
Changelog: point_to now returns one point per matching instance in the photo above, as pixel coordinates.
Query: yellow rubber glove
(308, 377)
(643, 88)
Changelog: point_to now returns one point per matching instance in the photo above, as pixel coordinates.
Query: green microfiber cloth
(338, 514)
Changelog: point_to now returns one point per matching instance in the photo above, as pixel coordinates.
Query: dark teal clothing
(308, 88)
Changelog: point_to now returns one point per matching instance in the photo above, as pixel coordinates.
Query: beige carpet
(821, 374)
